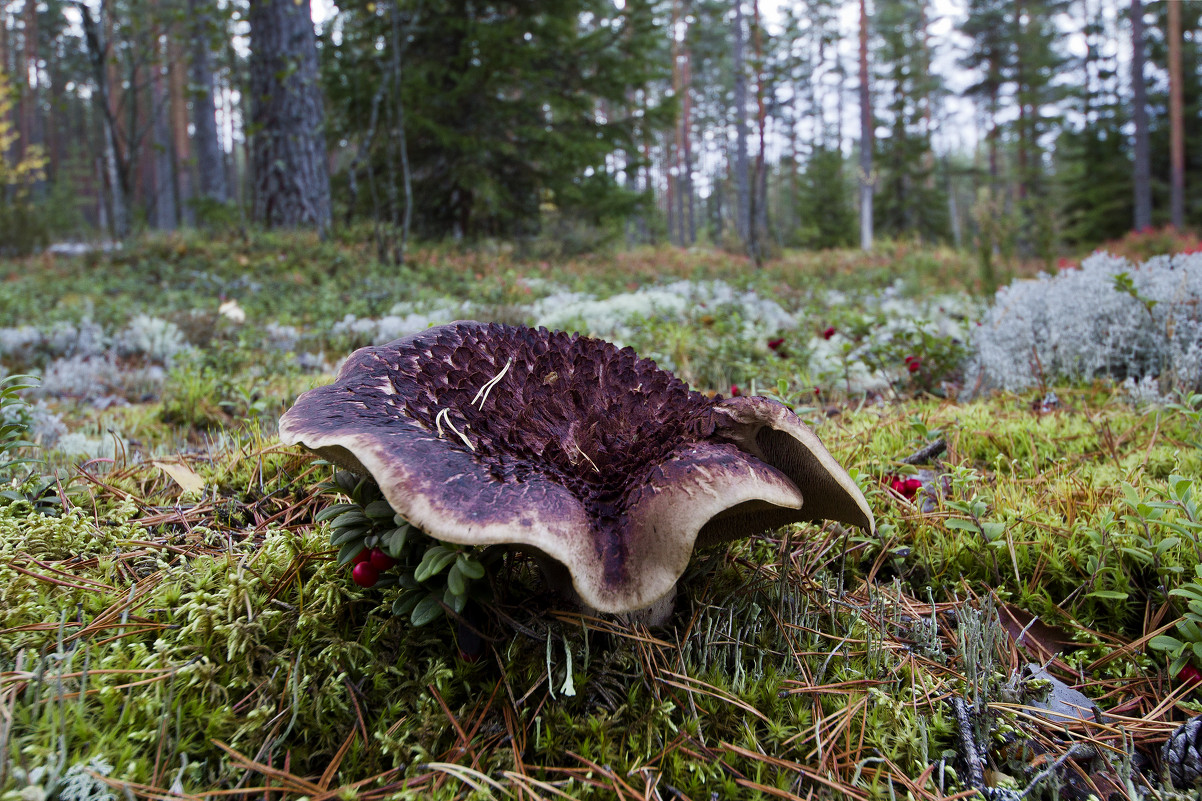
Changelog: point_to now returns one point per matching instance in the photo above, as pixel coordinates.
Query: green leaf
(349, 551)
(456, 585)
(993, 531)
(1182, 487)
(1108, 595)
(404, 605)
(341, 536)
(1189, 592)
(1190, 629)
(457, 601)
(346, 481)
(1138, 554)
(354, 517)
(367, 492)
(1163, 642)
(379, 510)
(434, 561)
(1165, 544)
(333, 511)
(394, 541)
(470, 567)
(961, 525)
(427, 610)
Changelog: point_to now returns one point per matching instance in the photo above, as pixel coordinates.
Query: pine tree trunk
(34, 135)
(759, 197)
(398, 49)
(866, 178)
(162, 169)
(115, 170)
(55, 130)
(1021, 90)
(288, 153)
(687, 128)
(5, 56)
(742, 187)
(1176, 120)
(209, 162)
(177, 91)
(1143, 173)
(235, 104)
(27, 102)
(676, 148)
(928, 125)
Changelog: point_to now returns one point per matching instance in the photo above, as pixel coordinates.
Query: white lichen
(1081, 324)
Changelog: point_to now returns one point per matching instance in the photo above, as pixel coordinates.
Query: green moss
(144, 626)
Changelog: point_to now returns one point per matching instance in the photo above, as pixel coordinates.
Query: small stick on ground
(969, 751)
(927, 453)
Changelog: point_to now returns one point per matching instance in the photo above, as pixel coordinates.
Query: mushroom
(606, 467)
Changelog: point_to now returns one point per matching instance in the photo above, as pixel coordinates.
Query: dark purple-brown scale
(594, 418)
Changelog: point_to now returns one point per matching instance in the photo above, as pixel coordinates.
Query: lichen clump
(1108, 319)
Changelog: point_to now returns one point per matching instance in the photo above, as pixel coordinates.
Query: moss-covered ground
(178, 627)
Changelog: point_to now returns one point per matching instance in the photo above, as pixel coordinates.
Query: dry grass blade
(290, 782)
(619, 786)
(331, 770)
(767, 790)
(55, 581)
(690, 684)
(529, 784)
(472, 778)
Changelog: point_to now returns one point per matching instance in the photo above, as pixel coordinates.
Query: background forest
(1018, 127)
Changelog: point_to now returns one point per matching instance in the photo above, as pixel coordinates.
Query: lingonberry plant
(382, 549)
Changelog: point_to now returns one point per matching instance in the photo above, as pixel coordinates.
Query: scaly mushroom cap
(581, 451)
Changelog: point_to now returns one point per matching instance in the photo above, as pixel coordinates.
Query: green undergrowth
(155, 639)
(173, 620)
(295, 279)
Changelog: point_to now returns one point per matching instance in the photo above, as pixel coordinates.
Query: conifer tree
(511, 109)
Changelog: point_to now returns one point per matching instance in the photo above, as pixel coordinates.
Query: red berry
(915, 365)
(776, 343)
(828, 333)
(365, 575)
(380, 560)
(734, 390)
(361, 557)
(1189, 675)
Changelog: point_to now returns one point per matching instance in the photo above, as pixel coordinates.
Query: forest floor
(174, 622)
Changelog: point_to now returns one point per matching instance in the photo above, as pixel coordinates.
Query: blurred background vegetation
(1017, 130)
